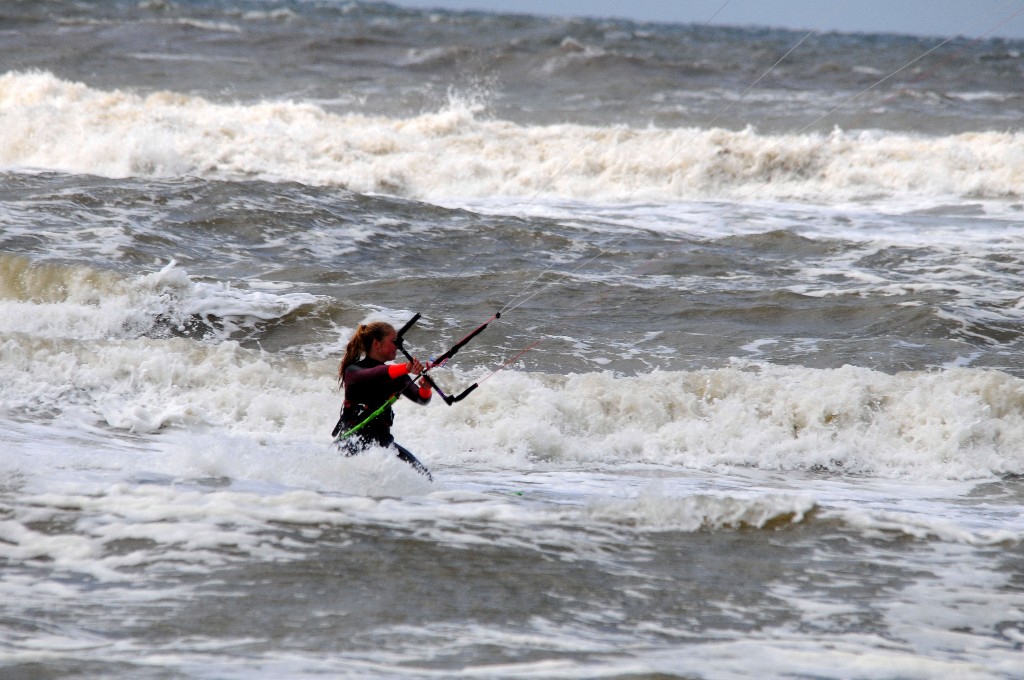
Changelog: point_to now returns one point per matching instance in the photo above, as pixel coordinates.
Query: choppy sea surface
(754, 406)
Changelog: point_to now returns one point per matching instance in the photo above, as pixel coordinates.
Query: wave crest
(60, 125)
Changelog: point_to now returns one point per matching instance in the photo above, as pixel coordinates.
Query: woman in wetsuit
(368, 382)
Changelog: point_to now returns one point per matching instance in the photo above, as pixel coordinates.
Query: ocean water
(754, 405)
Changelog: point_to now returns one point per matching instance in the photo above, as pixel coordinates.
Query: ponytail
(361, 342)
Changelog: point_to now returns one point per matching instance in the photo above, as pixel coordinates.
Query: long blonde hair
(361, 342)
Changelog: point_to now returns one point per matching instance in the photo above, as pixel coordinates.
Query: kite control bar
(441, 360)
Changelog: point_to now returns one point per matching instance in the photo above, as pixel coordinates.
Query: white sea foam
(959, 423)
(79, 345)
(60, 125)
(659, 512)
(56, 301)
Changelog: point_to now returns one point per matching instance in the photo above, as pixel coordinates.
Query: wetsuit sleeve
(370, 385)
(397, 370)
(416, 393)
(363, 376)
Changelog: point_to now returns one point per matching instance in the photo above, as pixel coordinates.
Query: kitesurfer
(369, 381)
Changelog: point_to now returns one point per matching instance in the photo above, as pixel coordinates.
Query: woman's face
(385, 348)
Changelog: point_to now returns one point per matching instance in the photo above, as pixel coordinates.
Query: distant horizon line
(529, 10)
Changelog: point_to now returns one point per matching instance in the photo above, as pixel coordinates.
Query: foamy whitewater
(754, 406)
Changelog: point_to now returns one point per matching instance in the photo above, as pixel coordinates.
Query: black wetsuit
(367, 386)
